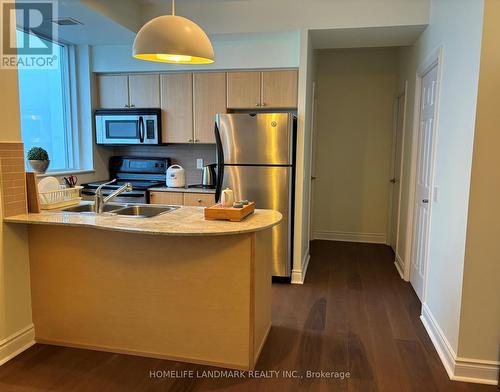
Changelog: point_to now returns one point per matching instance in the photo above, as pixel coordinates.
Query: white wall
(222, 16)
(356, 89)
(456, 26)
(16, 329)
(480, 313)
(303, 159)
(234, 51)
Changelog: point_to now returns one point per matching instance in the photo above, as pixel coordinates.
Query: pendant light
(173, 39)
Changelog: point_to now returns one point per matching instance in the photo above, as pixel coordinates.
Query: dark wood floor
(354, 314)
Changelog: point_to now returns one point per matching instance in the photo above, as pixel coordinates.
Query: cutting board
(229, 213)
(32, 192)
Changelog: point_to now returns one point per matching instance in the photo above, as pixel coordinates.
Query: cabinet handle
(257, 104)
(196, 140)
(127, 106)
(132, 106)
(199, 200)
(190, 140)
(263, 104)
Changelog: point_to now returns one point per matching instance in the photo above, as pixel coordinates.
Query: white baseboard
(372, 238)
(458, 369)
(400, 266)
(475, 370)
(299, 276)
(16, 343)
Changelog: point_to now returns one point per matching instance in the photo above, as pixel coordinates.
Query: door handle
(425, 201)
(141, 129)
(393, 180)
(313, 177)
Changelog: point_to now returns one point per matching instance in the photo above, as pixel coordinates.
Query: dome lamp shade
(173, 39)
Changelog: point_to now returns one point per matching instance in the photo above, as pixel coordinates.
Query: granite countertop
(185, 221)
(183, 190)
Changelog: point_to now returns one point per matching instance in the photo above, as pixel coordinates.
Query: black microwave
(128, 126)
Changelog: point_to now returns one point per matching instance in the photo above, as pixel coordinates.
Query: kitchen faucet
(100, 200)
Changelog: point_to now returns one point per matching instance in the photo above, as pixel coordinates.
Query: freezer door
(256, 139)
(269, 187)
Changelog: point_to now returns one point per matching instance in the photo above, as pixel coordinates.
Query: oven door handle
(141, 129)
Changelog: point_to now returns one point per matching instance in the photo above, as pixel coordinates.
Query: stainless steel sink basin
(144, 211)
(90, 208)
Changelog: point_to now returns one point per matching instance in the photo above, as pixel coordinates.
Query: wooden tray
(229, 213)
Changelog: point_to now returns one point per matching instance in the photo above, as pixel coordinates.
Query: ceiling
(366, 37)
(96, 29)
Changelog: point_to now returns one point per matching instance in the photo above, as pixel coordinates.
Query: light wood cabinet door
(144, 91)
(199, 199)
(209, 99)
(279, 89)
(113, 91)
(177, 107)
(170, 198)
(243, 90)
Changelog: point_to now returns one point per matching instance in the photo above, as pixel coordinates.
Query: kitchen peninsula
(174, 286)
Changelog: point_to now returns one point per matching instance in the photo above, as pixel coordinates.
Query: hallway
(353, 314)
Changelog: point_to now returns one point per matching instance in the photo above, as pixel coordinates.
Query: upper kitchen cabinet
(177, 107)
(279, 89)
(144, 91)
(243, 90)
(209, 99)
(113, 91)
(129, 91)
(262, 90)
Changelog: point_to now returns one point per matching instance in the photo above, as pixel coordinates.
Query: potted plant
(38, 159)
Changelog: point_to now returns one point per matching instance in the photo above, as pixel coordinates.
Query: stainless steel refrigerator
(255, 158)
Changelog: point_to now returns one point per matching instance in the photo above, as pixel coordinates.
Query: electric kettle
(208, 176)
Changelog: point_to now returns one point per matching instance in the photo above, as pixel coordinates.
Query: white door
(313, 161)
(396, 174)
(424, 174)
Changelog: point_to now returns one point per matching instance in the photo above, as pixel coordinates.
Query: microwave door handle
(141, 129)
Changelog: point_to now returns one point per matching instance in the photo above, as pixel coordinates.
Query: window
(45, 107)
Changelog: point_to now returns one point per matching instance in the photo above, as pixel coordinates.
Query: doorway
(396, 174)
(427, 90)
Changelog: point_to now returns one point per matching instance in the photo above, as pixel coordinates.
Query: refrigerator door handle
(220, 164)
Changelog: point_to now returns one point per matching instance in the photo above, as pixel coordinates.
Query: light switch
(199, 163)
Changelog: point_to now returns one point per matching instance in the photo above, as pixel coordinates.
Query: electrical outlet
(199, 163)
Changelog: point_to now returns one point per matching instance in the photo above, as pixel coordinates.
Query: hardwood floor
(354, 314)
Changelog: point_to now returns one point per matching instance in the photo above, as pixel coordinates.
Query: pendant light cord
(173, 7)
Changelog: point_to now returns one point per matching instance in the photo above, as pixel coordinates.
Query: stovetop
(137, 185)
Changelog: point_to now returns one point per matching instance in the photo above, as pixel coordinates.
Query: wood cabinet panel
(177, 107)
(113, 91)
(279, 89)
(144, 91)
(243, 90)
(199, 199)
(171, 198)
(209, 99)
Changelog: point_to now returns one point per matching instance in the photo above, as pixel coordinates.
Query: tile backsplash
(184, 155)
(13, 182)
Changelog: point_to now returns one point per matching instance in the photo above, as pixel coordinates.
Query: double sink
(128, 210)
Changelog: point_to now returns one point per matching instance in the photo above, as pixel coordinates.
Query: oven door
(127, 129)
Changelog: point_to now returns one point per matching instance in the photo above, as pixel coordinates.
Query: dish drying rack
(59, 198)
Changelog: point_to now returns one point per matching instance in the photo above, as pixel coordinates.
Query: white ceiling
(366, 37)
(96, 29)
